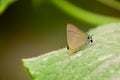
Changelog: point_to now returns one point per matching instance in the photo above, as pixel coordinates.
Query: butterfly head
(90, 40)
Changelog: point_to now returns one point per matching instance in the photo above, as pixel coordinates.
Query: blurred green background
(29, 28)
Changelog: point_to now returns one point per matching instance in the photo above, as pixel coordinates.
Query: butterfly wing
(76, 38)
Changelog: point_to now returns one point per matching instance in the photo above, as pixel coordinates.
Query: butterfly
(76, 38)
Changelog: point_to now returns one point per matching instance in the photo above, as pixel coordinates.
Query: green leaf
(111, 3)
(37, 3)
(83, 15)
(4, 4)
(97, 61)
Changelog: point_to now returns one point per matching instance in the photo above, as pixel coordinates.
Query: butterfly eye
(91, 41)
(88, 37)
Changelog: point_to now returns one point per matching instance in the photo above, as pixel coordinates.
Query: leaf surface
(97, 61)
